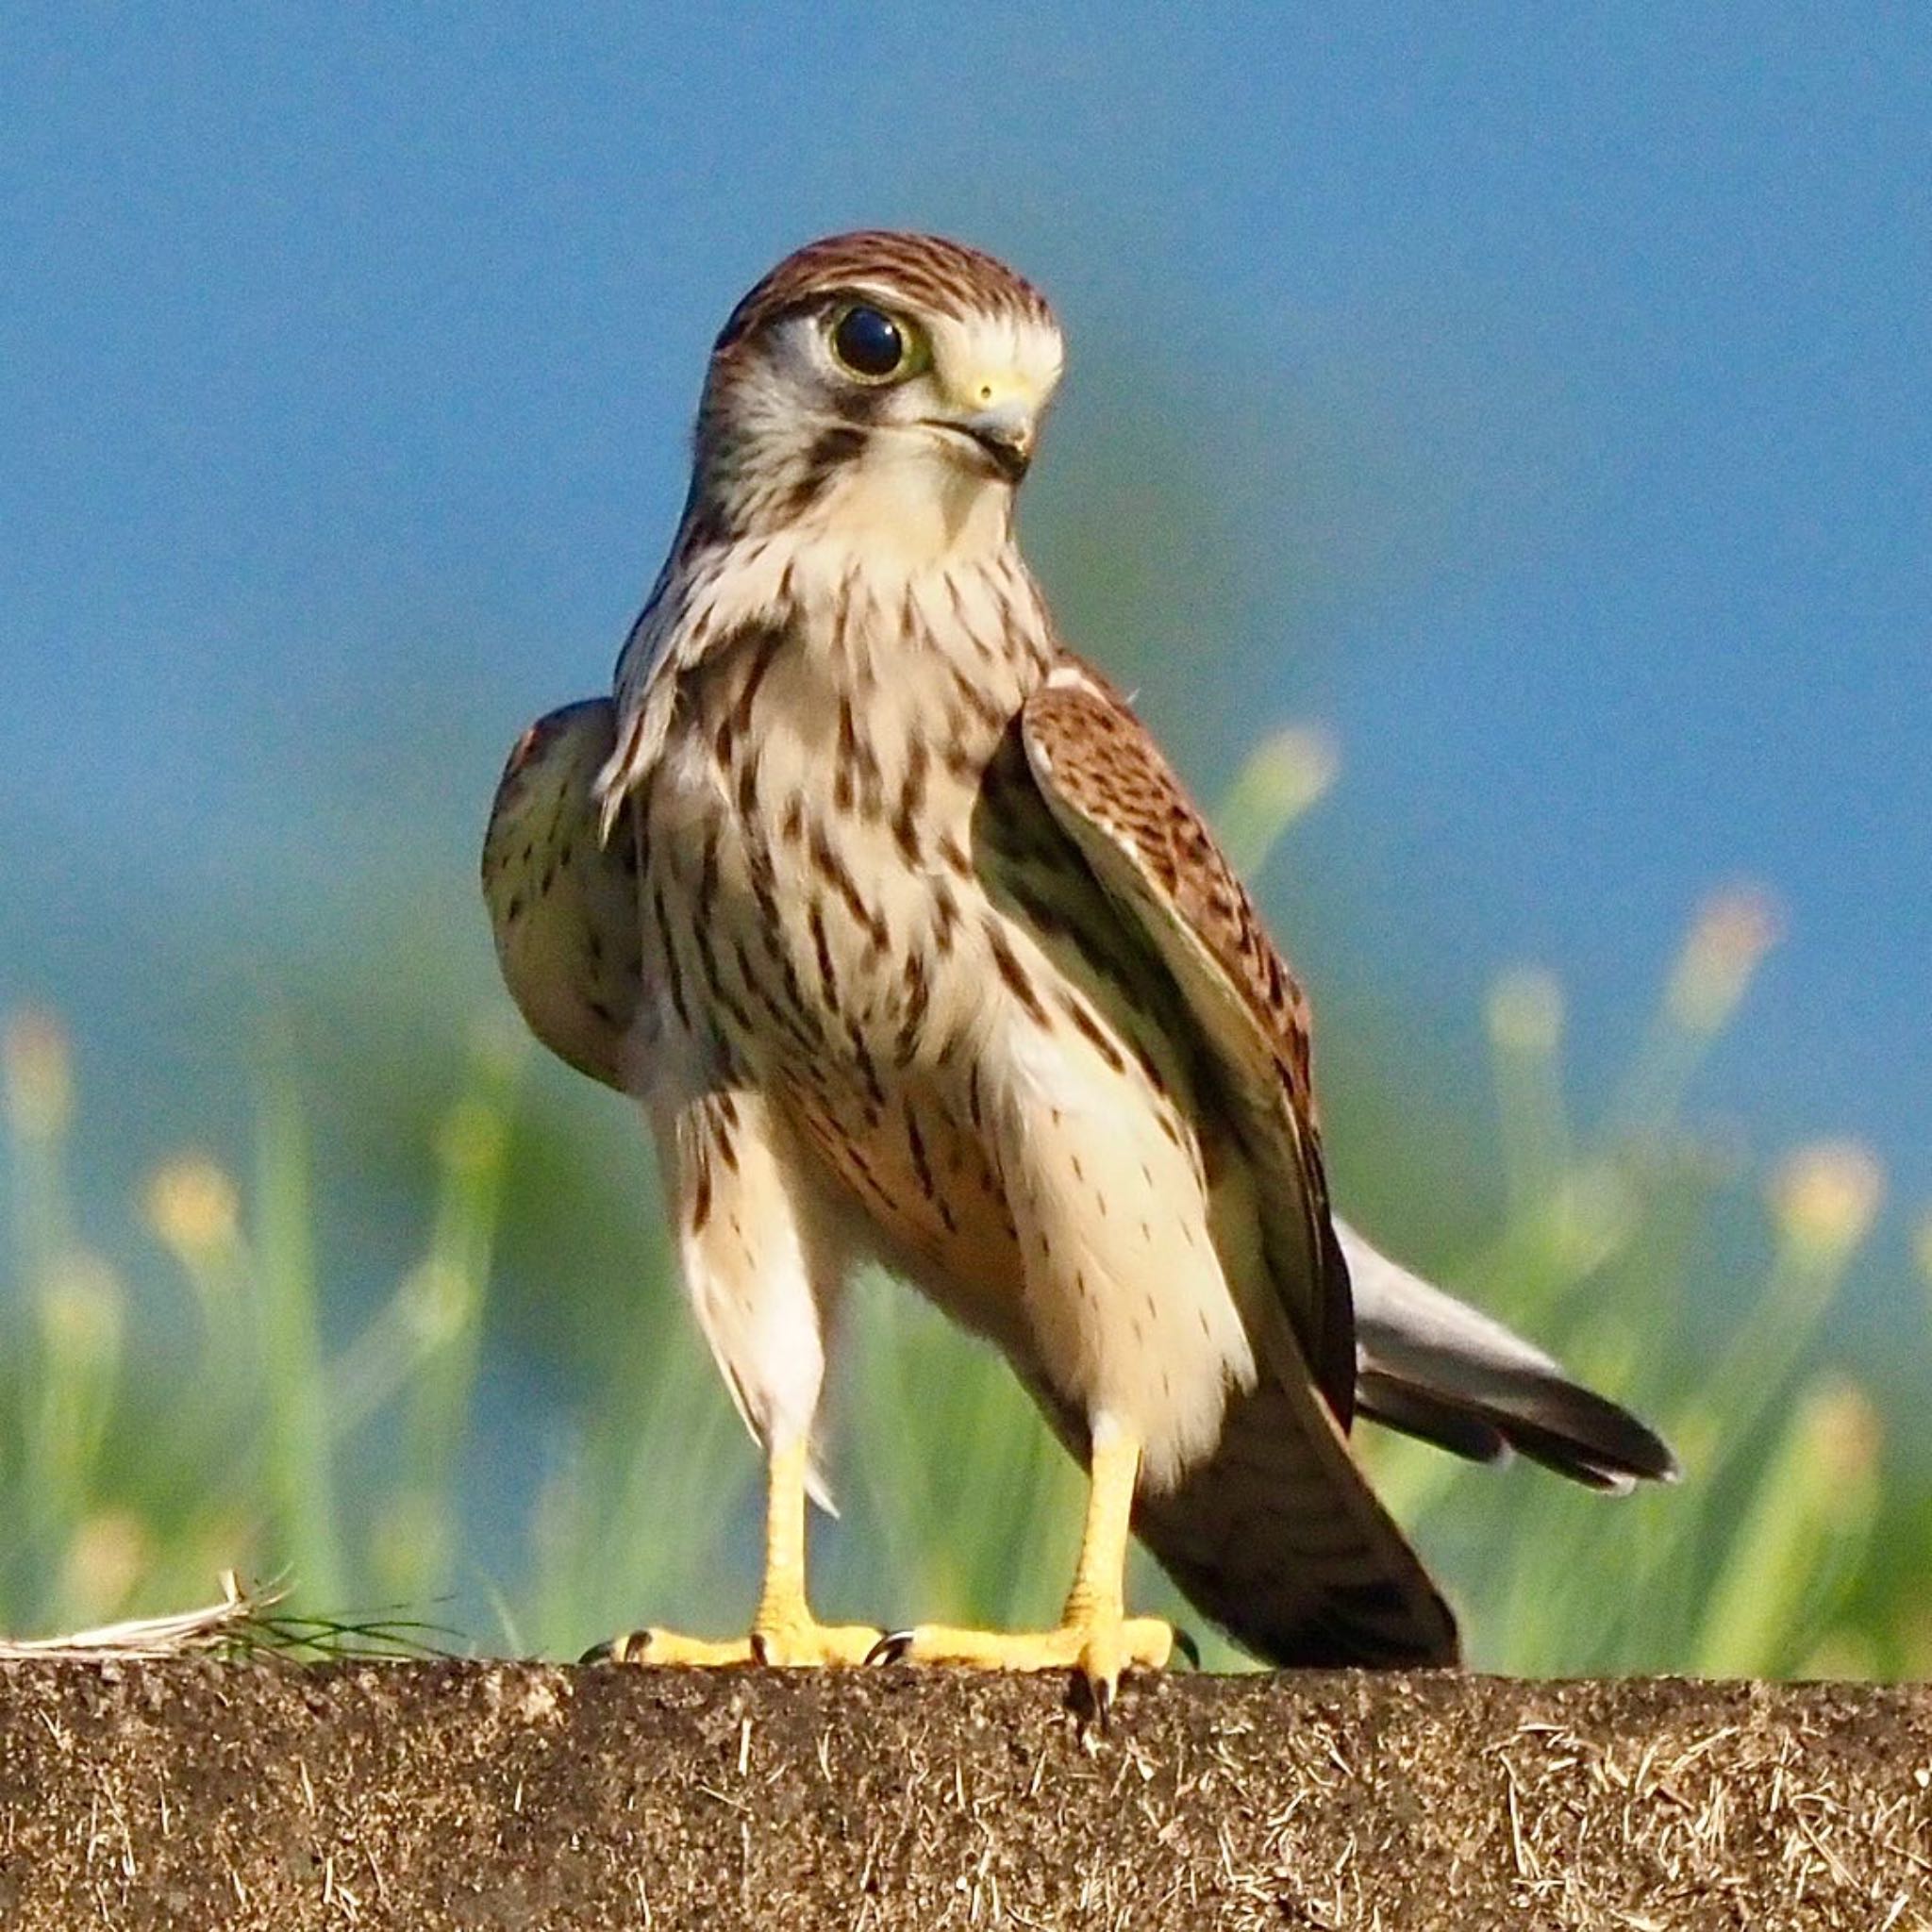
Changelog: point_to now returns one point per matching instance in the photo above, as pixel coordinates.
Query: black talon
(617, 1650)
(890, 1648)
(759, 1652)
(1092, 1702)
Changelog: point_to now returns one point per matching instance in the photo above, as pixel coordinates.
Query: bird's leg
(783, 1630)
(1095, 1635)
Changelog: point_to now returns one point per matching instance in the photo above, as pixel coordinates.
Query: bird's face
(886, 389)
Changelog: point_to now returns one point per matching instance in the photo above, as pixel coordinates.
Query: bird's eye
(870, 345)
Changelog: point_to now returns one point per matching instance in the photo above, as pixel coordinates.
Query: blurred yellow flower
(1826, 1195)
(1278, 782)
(82, 1310)
(193, 1205)
(1527, 1011)
(473, 1138)
(1843, 1434)
(40, 1075)
(109, 1552)
(1288, 772)
(1733, 931)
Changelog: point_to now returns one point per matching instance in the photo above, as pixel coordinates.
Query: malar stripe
(839, 444)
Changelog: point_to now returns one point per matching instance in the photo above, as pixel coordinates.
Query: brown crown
(928, 272)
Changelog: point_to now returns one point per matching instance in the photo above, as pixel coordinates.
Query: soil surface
(202, 1795)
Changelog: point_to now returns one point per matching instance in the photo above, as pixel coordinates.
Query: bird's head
(884, 387)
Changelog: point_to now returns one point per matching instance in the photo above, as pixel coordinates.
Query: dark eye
(869, 344)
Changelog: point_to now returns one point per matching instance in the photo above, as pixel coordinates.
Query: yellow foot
(787, 1643)
(1100, 1648)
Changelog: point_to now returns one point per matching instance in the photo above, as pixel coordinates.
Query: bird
(893, 919)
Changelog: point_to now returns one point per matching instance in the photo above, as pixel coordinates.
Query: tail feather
(1437, 1368)
(1278, 1539)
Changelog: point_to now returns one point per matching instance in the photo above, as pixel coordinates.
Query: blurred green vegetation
(181, 1413)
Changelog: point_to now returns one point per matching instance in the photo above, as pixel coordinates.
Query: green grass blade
(298, 1471)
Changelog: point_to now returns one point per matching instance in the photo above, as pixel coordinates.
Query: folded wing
(563, 902)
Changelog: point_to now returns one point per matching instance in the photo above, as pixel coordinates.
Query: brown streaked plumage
(936, 963)
(1423, 1362)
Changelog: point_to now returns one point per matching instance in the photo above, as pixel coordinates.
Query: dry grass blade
(215, 1627)
(243, 1623)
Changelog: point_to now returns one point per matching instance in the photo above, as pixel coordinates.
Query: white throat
(903, 507)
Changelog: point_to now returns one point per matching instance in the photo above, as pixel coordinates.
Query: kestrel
(912, 946)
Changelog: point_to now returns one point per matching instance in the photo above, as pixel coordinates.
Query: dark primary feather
(1437, 1368)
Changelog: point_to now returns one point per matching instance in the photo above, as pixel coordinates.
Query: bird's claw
(622, 1649)
(786, 1640)
(1097, 1650)
(668, 1647)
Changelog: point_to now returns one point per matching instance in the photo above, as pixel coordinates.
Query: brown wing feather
(1111, 789)
(562, 903)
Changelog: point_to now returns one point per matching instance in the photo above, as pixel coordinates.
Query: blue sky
(1560, 381)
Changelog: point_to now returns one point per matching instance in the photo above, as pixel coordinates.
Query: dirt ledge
(197, 1794)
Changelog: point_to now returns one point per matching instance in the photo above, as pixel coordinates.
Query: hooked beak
(1002, 434)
